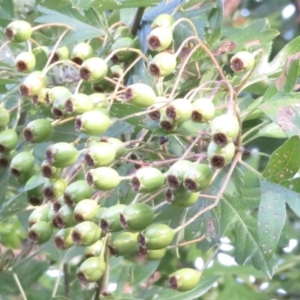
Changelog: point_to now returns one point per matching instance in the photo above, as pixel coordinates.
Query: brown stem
(137, 20)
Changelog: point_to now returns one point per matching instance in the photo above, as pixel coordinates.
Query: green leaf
(271, 130)
(284, 162)
(271, 216)
(119, 4)
(34, 181)
(13, 206)
(213, 33)
(205, 284)
(81, 31)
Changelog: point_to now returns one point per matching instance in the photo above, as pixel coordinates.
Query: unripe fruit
(242, 61)
(5, 158)
(176, 173)
(99, 100)
(64, 217)
(79, 104)
(81, 52)
(163, 20)
(4, 117)
(181, 197)
(92, 122)
(54, 188)
(160, 104)
(35, 196)
(156, 236)
(99, 214)
(110, 220)
(8, 140)
(52, 217)
(40, 232)
(22, 164)
(93, 69)
(50, 171)
(117, 71)
(136, 216)
(180, 110)
(86, 233)
(103, 178)
(167, 123)
(41, 99)
(58, 203)
(224, 129)
(33, 84)
(160, 38)
(184, 279)
(198, 177)
(85, 210)
(123, 244)
(124, 55)
(38, 131)
(77, 191)
(61, 154)
(39, 214)
(140, 94)
(203, 110)
(18, 31)
(100, 154)
(220, 156)
(121, 31)
(147, 180)
(156, 254)
(58, 92)
(91, 270)
(163, 64)
(94, 250)
(116, 144)
(25, 62)
(59, 108)
(61, 53)
(63, 238)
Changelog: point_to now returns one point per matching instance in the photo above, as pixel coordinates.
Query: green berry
(116, 144)
(22, 164)
(167, 123)
(181, 197)
(50, 171)
(79, 104)
(100, 154)
(160, 38)
(35, 196)
(61, 154)
(163, 64)
(163, 20)
(54, 188)
(41, 99)
(94, 250)
(124, 244)
(117, 71)
(176, 173)
(136, 216)
(110, 220)
(220, 156)
(103, 178)
(124, 55)
(184, 279)
(85, 210)
(8, 140)
(140, 94)
(242, 61)
(40, 232)
(81, 52)
(86, 233)
(61, 53)
(18, 31)
(147, 180)
(156, 236)
(63, 238)
(92, 122)
(198, 177)
(156, 254)
(5, 158)
(203, 110)
(93, 69)
(4, 117)
(179, 110)
(224, 129)
(38, 131)
(39, 214)
(77, 191)
(65, 217)
(99, 100)
(58, 203)
(159, 105)
(56, 93)
(99, 214)
(33, 84)
(25, 62)
(91, 270)
(121, 31)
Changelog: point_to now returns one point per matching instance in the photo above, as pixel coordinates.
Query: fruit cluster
(68, 207)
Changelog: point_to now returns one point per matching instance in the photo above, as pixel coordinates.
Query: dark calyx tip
(173, 282)
(173, 181)
(166, 125)
(135, 182)
(196, 116)
(85, 73)
(89, 179)
(78, 123)
(154, 42)
(237, 65)
(28, 134)
(217, 161)
(154, 70)
(89, 160)
(21, 66)
(76, 237)
(123, 221)
(190, 184)
(77, 60)
(104, 225)
(25, 91)
(220, 139)
(171, 112)
(9, 33)
(49, 193)
(169, 195)
(59, 242)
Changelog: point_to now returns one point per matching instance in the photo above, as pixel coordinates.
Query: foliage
(246, 209)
